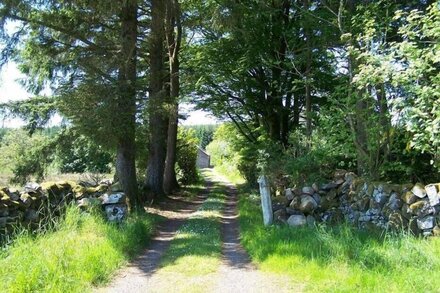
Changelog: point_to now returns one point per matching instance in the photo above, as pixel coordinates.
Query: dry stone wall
(415, 208)
(37, 203)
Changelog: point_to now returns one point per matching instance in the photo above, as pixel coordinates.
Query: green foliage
(407, 164)
(36, 112)
(187, 156)
(356, 72)
(266, 65)
(85, 250)
(27, 156)
(419, 76)
(340, 259)
(57, 150)
(204, 134)
(79, 154)
(3, 132)
(223, 150)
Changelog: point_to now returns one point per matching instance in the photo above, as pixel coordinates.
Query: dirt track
(236, 273)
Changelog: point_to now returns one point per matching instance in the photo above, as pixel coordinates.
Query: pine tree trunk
(170, 181)
(173, 41)
(157, 101)
(126, 170)
(126, 130)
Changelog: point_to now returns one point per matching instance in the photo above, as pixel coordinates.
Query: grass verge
(84, 250)
(230, 173)
(341, 259)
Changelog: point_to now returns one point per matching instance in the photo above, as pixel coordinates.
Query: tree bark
(157, 102)
(385, 120)
(308, 95)
(358, 123)
(126, 132)
(173, 41)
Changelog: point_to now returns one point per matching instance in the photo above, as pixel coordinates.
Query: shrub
(187, 156)
(78, 154)
(26, 155)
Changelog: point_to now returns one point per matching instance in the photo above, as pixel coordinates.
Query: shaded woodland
(307, 86)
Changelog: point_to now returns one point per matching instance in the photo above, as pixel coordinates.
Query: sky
(11, 90)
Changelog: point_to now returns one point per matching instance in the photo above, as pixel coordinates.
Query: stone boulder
(349, 177)
(380, 197)
(406, 211)
(116, 212)
(288, 193)
(339, 174)
(297, 220)
(329, 186)
(88, 202)
(433, 196)
(396, 222)
(308, 190)
(409, 197)
(419, 190)
(294, 204)
(307, 204)
(107, 182)
(280, 215)
(317, 198)
(421, 208)
(425, 223)
(394, 202)
(32, 187)
(116, 187)
(311, 221)
(31, 215)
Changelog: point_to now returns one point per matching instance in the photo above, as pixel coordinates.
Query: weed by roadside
(341, 259)
(83, 251)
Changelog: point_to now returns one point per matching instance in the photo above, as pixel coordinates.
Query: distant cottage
(203, 159)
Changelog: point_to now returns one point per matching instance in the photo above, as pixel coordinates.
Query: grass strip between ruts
(196, 249)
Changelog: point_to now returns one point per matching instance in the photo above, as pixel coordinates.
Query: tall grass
(341, 259)
(83, 251)
(230, 173)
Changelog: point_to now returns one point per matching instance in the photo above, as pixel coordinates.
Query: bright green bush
(187, 156)
(78, 154)
(26, 155)
(224, 150)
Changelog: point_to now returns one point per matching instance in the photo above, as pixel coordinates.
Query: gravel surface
(237, 273)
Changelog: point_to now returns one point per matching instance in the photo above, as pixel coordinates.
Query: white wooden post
(266, 202)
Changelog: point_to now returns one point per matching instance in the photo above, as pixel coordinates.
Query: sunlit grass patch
(196, 249)
(84, 251)
(341, 259)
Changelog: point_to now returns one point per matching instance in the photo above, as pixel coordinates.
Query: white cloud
(10, 88)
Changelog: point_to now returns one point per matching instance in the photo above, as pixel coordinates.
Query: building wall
(203, 159)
